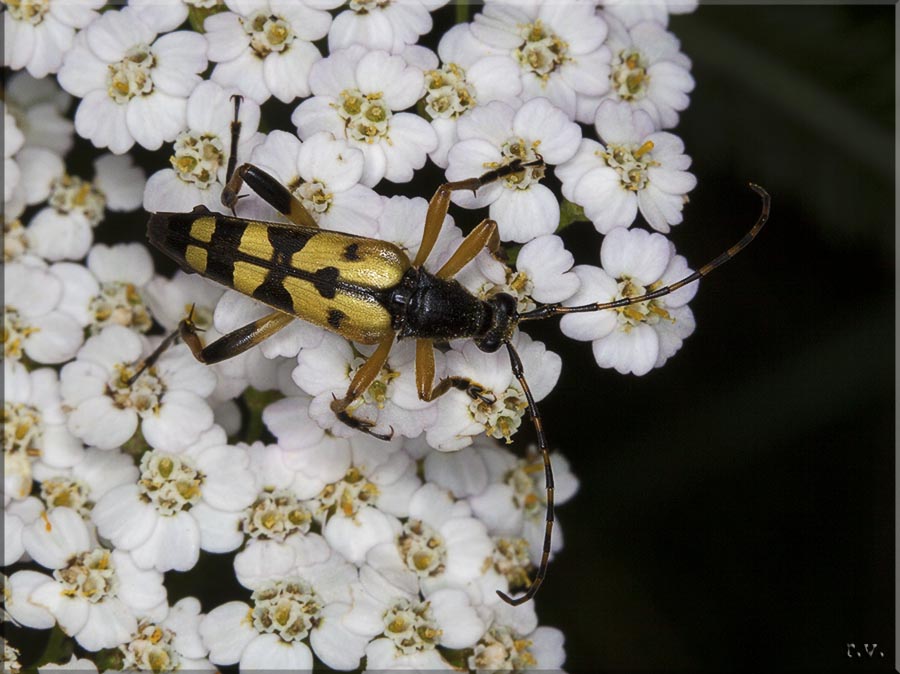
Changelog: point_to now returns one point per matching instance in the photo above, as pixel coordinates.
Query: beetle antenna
(550, 310)
(150, 360)
(519, 372)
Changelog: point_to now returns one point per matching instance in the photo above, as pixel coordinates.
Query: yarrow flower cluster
(126, 458)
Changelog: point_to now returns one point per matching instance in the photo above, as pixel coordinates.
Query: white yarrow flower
(391, 403)
(287, 616)
(543, 274)
(109, 290)
(503, 648)
(441, 544)
(639, 337)
(38, 34)
(264, 47)
(501, 409)
(409, 630)
(324, 174)
(496, 134)
(634, 168)
(171, 644)
(359, 95)
(63, 230)
(558, 45)
(649, 72)
(95, 594)
(133, 84)
(33, 323)
(385, 26)
(167, 400)
(181, 500)
(363, 508)
(200, 154)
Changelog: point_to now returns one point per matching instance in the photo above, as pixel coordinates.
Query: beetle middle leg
(484, 235)
(363, 378)
(235, 342)
(227, 346)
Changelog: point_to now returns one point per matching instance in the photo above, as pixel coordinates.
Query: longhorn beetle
(367, 291)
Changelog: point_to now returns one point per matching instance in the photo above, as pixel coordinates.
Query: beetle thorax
(429, 307)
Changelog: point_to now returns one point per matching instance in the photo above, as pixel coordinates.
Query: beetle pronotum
(368, 291)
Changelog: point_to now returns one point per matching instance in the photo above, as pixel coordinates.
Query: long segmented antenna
(550, 310)
(150, 360)
(519, 373)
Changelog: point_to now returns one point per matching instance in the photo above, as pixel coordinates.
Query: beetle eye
(503, 322)
(490, 343)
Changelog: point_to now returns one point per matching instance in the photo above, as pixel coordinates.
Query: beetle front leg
(484, 235)
(425, 378)
(363, 378)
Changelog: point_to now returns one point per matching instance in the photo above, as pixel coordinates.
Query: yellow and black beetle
(367, 290)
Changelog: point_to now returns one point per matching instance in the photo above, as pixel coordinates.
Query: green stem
(569, 213)
(136, 445)
(256, 402)
(462, 11)
(59, 648)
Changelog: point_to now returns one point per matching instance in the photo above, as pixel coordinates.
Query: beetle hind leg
(364, 378)
(425, 378)
(266, 186)
(361, 425)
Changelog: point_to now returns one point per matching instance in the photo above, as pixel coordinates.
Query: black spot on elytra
(351, 252)
(285, 242)
(335, 316)
(325, 280)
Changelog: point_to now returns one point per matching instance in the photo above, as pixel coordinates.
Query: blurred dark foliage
(737, 505)
(736, 509)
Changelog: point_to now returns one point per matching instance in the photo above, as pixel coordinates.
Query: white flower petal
(287, 74)
(19, 605)
(268, 651)
(123, 517)
(103, 122)
(181, 418)
(109, 624)
(52, 540)
(71, 613)
(334, 644)
(155, 119)
(460, 624)
(98, 422)
(219, 531)
(523, 215)
(226, 632)
(174, 545)
(634, 352)
(354, 537)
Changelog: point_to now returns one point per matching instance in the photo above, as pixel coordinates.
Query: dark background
(737, 506)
